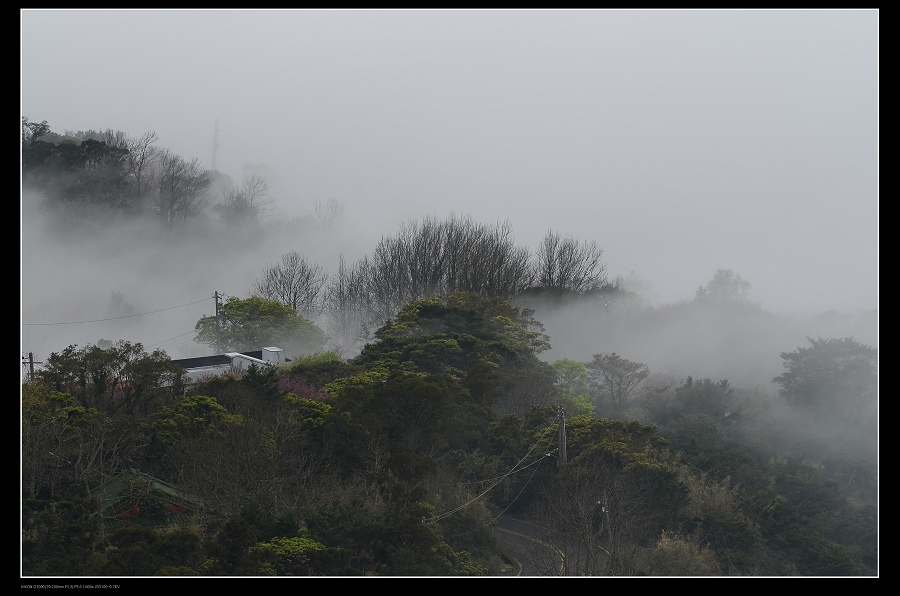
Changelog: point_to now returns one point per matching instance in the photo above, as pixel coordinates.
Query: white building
(207, 366)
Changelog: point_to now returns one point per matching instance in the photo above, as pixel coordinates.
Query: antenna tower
(215, 144)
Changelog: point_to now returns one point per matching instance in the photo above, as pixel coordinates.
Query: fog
(682, 142)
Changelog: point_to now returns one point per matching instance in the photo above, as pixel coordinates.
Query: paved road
(540, 553)
(522, 541)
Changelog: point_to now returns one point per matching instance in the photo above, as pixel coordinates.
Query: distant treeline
(94, 178)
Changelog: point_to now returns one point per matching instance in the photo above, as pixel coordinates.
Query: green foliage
(334, 465)
(462, 564)
(484, 375)
(286, 556)
(47, 413)
(792, 533)
(617, 492)
(358, 382)
(627, 442)
(60, 535)
(320, 369)
(230, 550)
(572, 375)
(854, 469)
(41, 405)
(179, 549)
(266, 525)
(316, 359)
(615, 379)
(736, 462)
(676, 555)
(430, 354)
(176, 571)
(194, 416)
(697, 434)
(401, 477)
(121, 379)
(308, 412)
(704, 397)
(142, 551)
(132, 550)
(425, 413)
(483, 342)
(384, 542)
(715, 521)
(507, 436)
(262, 380)
(466, 313)
(574, 390)
(65, 444)
(804, 486)
(361, 532)
(837, 375)
(251, 323)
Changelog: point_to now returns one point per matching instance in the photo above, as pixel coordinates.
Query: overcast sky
(681, 141)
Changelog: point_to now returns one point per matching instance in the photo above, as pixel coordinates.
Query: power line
(115, 318)
(159, 343)
(520, 491)
(512, 471)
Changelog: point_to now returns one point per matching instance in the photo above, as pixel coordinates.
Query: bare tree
(427, 258)
(438, 257)
(245, 202)
(141, 155)
(567, 264)
(183, 188)
(330, 213)
(498, 267)
(295, 282)
(346, 301)
(424, 255)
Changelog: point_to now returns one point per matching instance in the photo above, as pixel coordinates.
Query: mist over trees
(706, 437)
(438, 257)
(725, 287)
(414, 443)
(245, 202)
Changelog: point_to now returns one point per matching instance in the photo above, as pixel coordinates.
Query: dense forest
(420, 406)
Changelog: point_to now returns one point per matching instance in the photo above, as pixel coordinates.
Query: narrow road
(541, 553)
(522, 541)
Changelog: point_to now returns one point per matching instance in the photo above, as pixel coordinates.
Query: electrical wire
(171, 338)
(486, 480)
(520, 492)
(512, 471)
(115, 318)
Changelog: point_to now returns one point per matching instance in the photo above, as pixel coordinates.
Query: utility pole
(561, 460)
(604, 509)
(218, 335)
(30, 363)
(215, 144)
